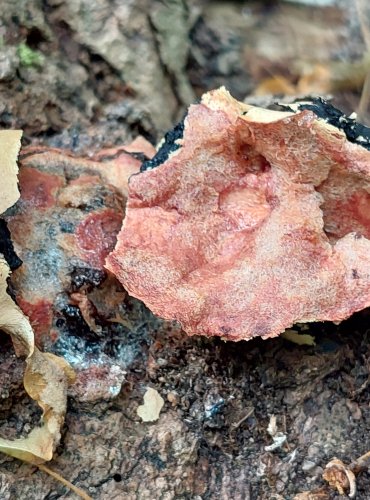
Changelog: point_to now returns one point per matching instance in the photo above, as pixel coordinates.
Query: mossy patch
(29, 57)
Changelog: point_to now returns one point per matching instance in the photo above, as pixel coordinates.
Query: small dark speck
(66, 227)
(355, 274)
(225, 329)
(60, 322)
(117, 478)
(358, 236)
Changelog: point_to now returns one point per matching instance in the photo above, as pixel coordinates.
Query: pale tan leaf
(46, 379)
(12, 319)
(10, 143)
(35, 448)
(153, 403)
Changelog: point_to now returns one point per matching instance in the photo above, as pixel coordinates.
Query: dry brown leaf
(46, 379)
(275, 85)
(318, 78)
(340, 477)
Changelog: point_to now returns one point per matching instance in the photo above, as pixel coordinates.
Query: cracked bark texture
(114, 52)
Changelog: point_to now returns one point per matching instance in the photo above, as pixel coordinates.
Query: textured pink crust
(260, 219)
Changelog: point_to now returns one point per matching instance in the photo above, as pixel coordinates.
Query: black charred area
(169, 146)
(7, 248)
(74, 322)
(355, 132)
(87, 276)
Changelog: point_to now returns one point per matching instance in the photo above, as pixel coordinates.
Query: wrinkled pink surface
(250, 227)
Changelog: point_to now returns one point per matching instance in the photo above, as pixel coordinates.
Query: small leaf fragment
(153, 403)
(298, 338)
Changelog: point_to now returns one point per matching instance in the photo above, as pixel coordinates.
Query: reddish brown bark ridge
(259, 220)
(63, 227)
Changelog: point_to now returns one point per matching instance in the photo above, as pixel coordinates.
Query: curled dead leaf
(12, 319)
(340, 477)
(46, 380)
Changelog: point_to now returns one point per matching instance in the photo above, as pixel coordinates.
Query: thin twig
(61, 479)
(362, 463)
(248, 414)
